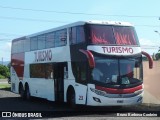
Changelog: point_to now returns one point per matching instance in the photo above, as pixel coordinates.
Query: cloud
(148, 42)
(149, 46)
(5, 51)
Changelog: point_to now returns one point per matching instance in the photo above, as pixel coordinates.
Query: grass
(6, 85)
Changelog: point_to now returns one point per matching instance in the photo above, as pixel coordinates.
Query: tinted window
(49, 71)
(73, 35)
(21, 46)
(80, 71)
(60, 38)
(50, 38)
(41, 70)
(41, 42)
(113, 35)
(125, 36)
(37, 70)
(117, 71)
(27, 45)
(18, 46)
(34, 43)
(101, 34)
(15, 47)
(77, 35)
(131, 70)
(80, 34)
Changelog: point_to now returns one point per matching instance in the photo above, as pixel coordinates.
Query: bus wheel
(27, 93)
(21, 91)
(72, 99)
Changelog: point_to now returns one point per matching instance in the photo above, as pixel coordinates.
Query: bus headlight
(140, 99)
(96, 99)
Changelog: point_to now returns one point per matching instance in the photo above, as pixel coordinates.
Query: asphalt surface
(12, 102)
(151, 83)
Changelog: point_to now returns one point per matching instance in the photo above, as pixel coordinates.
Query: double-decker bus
(95, 63)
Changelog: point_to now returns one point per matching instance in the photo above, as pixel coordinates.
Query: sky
(20, 18)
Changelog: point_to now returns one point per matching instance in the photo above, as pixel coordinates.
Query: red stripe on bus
(119, 91)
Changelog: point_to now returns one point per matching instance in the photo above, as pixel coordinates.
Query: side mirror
(149, 58)
(89, 56)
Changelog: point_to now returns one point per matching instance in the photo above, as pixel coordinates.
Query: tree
(157, 56)
(9, 65)
(4, 71)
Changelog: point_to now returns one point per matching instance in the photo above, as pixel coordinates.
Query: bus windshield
(117, 71)
(119, 35)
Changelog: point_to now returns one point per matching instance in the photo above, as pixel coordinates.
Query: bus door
(59, 81)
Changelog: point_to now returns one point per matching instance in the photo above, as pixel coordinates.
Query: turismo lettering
(45, 55)
(117, 50)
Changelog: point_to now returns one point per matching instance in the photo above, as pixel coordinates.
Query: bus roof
(79, 23)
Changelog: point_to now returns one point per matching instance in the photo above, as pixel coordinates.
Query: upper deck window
(101, 34)
(34, 43)
(27, 45)
(18, 46)
(77, 35)
(125, 35)
(60, 38)
(111, 35)
(50, 38)
(41, 41)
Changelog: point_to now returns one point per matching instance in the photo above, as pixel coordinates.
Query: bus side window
(37, 70)
(34, 43)
(72, 35)
(76, 35)
(50, 38)
(27, 45)
(83, 73)
(79, 71)
(49, 71)
(80, 34)
(41, 42)
(66, 72)
(63, 37)
(60, 38)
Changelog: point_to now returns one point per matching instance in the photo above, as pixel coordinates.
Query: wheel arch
(20, 85)
(26, 85)
(70, 90)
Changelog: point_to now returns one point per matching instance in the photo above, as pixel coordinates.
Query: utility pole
(157, 32)
(158, 54)
(2, 60)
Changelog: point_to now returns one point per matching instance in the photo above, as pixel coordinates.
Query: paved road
(152, 83)
(13, 103)
(3, 81)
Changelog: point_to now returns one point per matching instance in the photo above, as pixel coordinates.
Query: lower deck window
(41, 71)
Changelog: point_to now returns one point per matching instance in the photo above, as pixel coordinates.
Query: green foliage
(2, 86)
(9, 65)
(4, 71)
(2, 77)
(157, 56)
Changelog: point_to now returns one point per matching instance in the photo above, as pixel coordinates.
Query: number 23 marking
(80, 97)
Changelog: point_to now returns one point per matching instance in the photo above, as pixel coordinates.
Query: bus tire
(71, 98)
(27, 93)
(21, 91)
